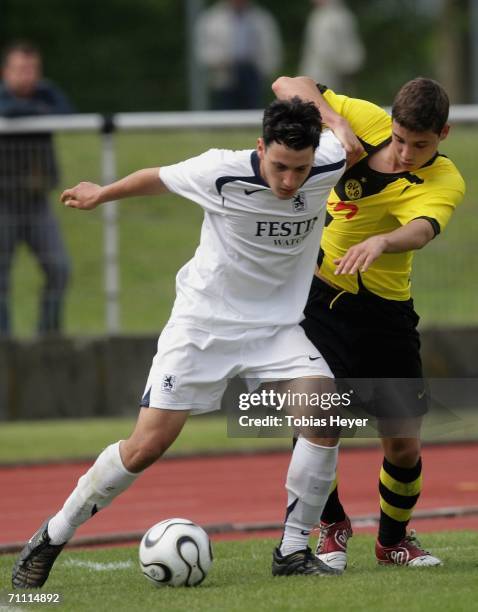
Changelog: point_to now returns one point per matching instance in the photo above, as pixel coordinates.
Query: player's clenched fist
(84, 196)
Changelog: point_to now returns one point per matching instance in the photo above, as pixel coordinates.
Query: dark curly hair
(293, 123)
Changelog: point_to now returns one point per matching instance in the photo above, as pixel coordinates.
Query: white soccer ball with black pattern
(175, 552)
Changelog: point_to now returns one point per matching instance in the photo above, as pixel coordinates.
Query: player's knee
(403, 452)
(138, 455)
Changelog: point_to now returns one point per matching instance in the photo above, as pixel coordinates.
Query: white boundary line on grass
(99, 567)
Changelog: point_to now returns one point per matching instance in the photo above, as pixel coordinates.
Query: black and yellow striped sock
(399, 491)
(333, 511)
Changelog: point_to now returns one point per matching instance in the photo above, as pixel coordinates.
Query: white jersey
(255, 260)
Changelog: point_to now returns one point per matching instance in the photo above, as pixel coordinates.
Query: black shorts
(363, 336)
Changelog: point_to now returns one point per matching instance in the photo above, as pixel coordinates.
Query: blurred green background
(118, 55)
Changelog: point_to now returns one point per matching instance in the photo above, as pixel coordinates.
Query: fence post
(196, 76)
(110, 231)
(473, 21)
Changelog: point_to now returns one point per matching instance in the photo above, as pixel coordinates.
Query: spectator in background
(239, 45)
(332, 49)
(28, 171)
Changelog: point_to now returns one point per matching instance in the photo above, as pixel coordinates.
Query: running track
(232, 493)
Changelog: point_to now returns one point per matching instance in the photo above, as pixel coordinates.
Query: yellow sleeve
(368, 121)
(436, 203)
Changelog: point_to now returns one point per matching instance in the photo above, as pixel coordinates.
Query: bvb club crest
(353, 189)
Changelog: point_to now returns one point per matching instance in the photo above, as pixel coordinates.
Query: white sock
(106, 479)
(311, 472)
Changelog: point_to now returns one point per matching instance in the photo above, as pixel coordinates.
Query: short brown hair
(421, 105)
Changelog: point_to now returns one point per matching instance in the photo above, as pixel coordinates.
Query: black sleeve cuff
(433, 222)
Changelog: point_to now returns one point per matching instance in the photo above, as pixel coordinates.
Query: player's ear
(445, 131)
(261, 148)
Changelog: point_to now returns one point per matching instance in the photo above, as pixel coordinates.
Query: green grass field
(158, 236)
(240, 579)
(84, 439)
(76, 439)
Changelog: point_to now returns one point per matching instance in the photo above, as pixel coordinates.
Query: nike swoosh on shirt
(251, 191)
(314, 358)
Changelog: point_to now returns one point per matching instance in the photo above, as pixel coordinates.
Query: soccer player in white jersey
(237, 312)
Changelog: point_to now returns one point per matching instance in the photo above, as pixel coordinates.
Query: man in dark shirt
(28, 171)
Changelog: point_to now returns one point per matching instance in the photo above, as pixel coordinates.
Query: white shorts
(193, 367)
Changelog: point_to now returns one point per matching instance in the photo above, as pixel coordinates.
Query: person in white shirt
(333, 50)
(239, 45)
(237, 312)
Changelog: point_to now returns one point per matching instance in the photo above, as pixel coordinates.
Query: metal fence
(29, 172)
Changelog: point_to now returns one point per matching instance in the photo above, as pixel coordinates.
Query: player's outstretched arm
(87, 196)
(306, 89)
(415, 235)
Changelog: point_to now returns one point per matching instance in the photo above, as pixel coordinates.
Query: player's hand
(353, 148)
(361, 256)
(306, 88)
(84, 196)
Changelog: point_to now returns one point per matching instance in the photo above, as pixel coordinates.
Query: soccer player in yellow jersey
(396, 196)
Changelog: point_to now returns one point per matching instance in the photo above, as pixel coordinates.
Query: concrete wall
(70, 377)
(450, 353)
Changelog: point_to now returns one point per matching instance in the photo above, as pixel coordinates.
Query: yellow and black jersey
(365, 203)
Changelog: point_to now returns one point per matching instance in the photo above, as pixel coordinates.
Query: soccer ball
(175, 552)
